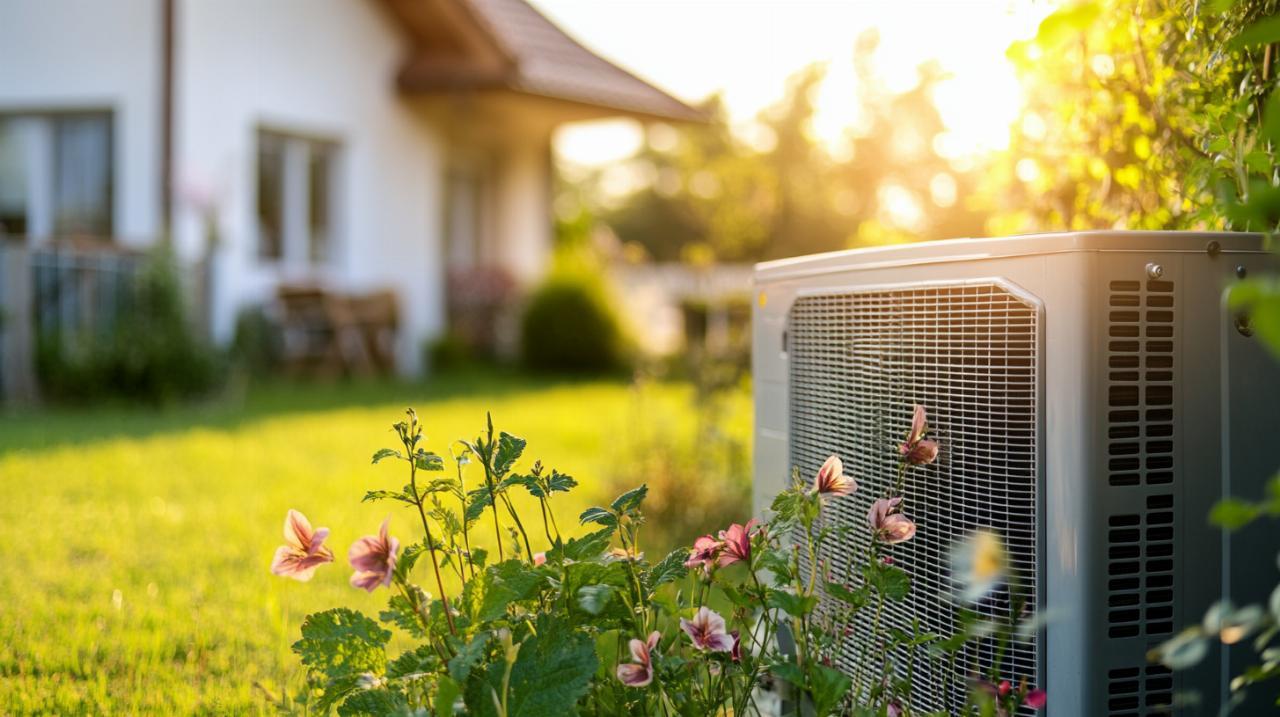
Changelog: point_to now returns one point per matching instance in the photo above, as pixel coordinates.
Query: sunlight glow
(747, 49)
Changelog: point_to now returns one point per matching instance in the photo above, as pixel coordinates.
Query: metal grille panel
(969, 353)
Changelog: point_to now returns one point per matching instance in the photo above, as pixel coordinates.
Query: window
(295, 197)
(56, 174)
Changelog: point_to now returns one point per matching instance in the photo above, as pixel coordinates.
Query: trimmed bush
(569, 326)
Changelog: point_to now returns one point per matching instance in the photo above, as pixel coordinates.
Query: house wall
(87, 54)
(323, 68)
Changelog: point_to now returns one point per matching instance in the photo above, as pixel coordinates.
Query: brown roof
(510, 45)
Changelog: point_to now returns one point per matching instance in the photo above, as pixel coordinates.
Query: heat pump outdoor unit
(1093, 395)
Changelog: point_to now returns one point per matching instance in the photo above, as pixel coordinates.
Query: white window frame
(295, 205)
(41, 162)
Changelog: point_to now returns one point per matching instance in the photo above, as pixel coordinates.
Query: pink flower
(704, 553)
(707, 630)
(303, 550)
(917, 450)
(895, 709)
(1036, 699)
(539, 559)
(889, 527)
(736, 652)
(831, 479)
(735, 543)
(374, 558)
(640, 672)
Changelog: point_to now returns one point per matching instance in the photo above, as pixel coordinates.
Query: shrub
(256, 344)
(570, 326)
(152, 354)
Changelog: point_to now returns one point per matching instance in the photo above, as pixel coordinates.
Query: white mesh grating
(968, 353)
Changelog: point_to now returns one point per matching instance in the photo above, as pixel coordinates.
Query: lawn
(137, 542)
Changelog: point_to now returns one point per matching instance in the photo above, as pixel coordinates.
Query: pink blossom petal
(635, 675)
(297, 530)
(1036, 699)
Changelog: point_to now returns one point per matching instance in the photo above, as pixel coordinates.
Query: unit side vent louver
(1135, 691)
(859, 360)
(1141, 452)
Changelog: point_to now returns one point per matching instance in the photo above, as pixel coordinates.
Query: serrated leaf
(506, 583)
(629, 501)
(559, 482)
(586, 547)
(447, 693)
(384, 453)
(552, 671)
(422, 659)
(509, 450)
(856, 599)
(477, 500)
(376, 495)
(593, 598)
(893, 583)
(792, 604)
(827, 687)
(670, 569)
(598, 515)
(408, 557)
(460, 665)
(341, 644)
(406, 613)
(428, 461)
(376, 702)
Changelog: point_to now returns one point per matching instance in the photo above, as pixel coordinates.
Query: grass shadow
(245, 402)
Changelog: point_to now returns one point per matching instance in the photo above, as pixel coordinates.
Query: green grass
(136, 542)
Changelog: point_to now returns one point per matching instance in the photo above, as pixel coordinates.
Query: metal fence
(63, 291)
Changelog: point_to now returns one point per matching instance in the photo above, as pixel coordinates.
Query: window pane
(82, 175)
(319, 169)
(270, 196)
(15, 192)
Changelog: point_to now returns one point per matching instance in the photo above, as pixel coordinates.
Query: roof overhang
(506, 46)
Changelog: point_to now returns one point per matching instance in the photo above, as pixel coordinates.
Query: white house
(357, 144)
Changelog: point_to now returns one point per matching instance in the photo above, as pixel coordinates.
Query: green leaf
(586, 547)
(384, 453)
(406, 613)
(505, 583)
(423, 659)
(427, 461)
(340, 642)
(891, 582)
(376, 702)
(789, 672)
(1232, 513)
(598, 515)
(408, 557)
(792, 604)
(375, 495)
(509, 450)
(552, 671)
(1185, 650)
(559, 482)
(477, 500)
(857, 599)
(593, 598)
(461, 664)
(447, 692)
(828, 688)
(1262, 32)
(629, 501)
(670, 569)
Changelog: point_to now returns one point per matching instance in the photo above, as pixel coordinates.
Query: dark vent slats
(858, 361)
(1141, 452)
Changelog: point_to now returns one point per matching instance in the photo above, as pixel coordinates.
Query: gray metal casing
(1226, 402)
